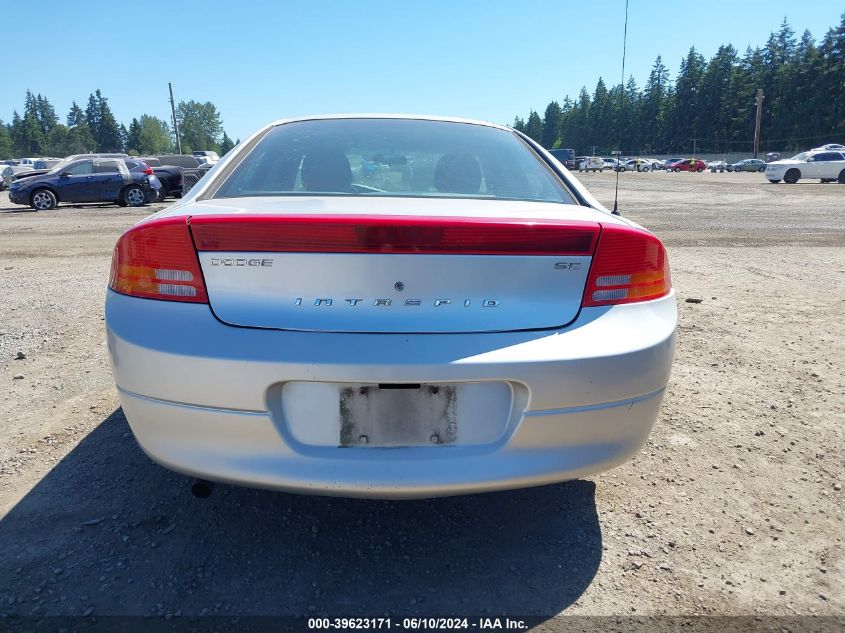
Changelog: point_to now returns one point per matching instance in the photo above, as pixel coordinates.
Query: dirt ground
(734, 507)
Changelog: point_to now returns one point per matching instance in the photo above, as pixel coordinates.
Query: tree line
(711, 105)
(39, 132)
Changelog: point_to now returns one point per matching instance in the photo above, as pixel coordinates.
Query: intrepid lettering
(408, 303)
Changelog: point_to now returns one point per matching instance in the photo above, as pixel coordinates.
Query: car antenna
(622, 101)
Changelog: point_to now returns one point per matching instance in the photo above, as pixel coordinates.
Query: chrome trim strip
(594, 407)
(198, 407)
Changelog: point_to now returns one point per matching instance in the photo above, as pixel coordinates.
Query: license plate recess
(398, 415)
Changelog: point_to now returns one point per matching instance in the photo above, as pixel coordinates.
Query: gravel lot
(734, 507)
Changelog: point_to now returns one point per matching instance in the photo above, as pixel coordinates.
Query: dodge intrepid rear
(389, 306)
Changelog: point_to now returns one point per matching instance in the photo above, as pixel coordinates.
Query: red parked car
(684, 165)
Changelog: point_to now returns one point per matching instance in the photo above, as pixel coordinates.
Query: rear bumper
(202, 398)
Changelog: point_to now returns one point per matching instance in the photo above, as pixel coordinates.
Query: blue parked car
(86, 179)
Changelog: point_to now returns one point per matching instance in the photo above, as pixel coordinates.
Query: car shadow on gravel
(109, 532)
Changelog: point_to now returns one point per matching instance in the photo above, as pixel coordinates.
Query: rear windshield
(393, 157)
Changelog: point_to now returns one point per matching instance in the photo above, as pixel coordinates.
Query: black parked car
(170, 176)
(182, 160)
(565, 156)
(75, 179)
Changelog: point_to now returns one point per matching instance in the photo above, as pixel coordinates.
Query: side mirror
(66, 174)
(810, 159)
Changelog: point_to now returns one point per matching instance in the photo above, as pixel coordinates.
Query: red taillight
(149, 171)
(157, 260)
(629, 265)
(393, 234)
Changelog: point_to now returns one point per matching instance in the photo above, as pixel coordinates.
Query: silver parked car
(9, 172)
(389, 306)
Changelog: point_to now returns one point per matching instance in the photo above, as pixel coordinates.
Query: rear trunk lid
(394, 266)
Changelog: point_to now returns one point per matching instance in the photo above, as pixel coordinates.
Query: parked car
(566, 157)
(206, 156)
(101, 179)
(9, 172)
(182, 160)
(28, 172)
(591, 163)
(827, 166)
(749, 164)
(610, 163)
(170, 176)
(717, 165)
(645, 165)
(684, 165)
(287, 321)
(46, 163)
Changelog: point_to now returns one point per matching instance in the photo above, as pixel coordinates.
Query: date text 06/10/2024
(417, 624)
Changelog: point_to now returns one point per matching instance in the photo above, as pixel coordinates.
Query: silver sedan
(389, 306)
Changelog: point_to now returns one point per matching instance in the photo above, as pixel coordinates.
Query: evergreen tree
(92, 118)
(226, 144)
(7, 148)
(123, 134)
(27, 136)
(778, 56)
(79, 137)
(713, 102)
(133, 137)
(110, 137)
(534, 126)
(653, 109)
(683, 119)
(714, 113)
(551, 124)
(632, 136)
(56, 142)
(103, 125)
(831, 82)
(600, 118)
(45, 114)
(805, 85)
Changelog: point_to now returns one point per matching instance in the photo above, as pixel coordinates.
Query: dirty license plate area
(398, 415)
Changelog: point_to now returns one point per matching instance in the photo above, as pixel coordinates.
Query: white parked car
(8, 173)
(591, 163)
(645, 165)
(206, 157)
(824, 165)
(472, 320)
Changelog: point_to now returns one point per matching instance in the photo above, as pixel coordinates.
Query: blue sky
(263, 60)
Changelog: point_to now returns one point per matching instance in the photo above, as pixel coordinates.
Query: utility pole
(176, 123)
(760, 98)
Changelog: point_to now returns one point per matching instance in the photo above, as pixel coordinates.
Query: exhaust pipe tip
(201, 489)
